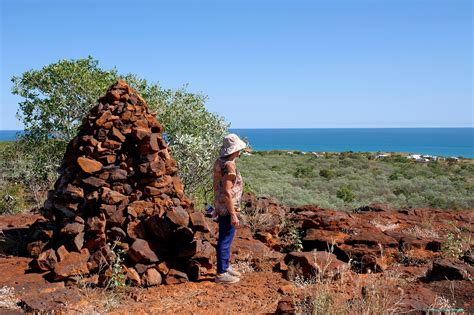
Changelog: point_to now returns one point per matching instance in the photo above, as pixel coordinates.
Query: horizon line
(409, 127)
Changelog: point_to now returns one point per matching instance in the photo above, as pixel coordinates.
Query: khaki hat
(232, 144)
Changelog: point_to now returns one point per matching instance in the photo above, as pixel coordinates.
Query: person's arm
(227, 190)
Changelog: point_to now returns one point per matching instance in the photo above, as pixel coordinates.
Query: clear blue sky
(334, 63)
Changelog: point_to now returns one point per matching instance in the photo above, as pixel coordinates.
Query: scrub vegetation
(351, 180)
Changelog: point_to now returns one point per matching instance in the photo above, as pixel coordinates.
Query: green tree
(345, 193)
(57, 97)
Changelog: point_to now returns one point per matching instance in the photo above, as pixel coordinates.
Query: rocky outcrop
(119, 194)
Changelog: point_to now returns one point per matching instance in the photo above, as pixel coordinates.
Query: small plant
(304, 172)
(117, 279)
(327, 173)
(456, 244)
(345, 193)
(292, 237)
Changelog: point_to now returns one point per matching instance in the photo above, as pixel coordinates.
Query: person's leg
(224, 243)
(227, 245)
(222, 256)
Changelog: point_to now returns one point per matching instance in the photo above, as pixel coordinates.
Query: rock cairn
(118, 191)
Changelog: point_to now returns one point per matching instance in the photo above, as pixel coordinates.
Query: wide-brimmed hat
(232, 144)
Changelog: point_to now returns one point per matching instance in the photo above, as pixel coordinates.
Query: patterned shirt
(223, 167)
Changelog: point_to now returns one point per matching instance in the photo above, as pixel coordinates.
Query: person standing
(228, 189)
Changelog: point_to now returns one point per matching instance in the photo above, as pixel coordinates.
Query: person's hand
(234, 219)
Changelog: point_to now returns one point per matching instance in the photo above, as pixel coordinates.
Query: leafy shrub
(304, 171)
(56, 97)
(12, 199)
(345, 193)
(327, 173)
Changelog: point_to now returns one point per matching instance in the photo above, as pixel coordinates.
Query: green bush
(327, 173)
(414, 185)
(345, 193)
(12, 199)
(304, 171)
(56, 98)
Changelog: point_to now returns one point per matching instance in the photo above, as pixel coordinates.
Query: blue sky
(263, 64)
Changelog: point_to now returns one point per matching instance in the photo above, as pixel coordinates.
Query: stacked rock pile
(118, 191)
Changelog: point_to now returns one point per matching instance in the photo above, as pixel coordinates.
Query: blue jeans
(226, 236)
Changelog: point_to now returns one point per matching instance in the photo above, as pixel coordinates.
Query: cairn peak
(118, 189)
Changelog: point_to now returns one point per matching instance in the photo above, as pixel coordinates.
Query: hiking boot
(233, 272)
(226, 278)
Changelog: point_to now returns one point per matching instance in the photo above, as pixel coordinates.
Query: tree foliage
(58, 96)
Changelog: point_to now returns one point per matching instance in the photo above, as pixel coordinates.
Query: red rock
(178, 186)
(286, 306)
(96, 224)
(111, 144)
(118, 174)
(103, 118)
(137, 208)
(107, 159)
(178, 216)
(112, 197)
(61, 253)
(72, 228)
(74, 192)
(444, 269)
(141, 133)
(163, 268)
(47, 260)
(198, 222)
(78, 242)
(117, 135)
(312, 264)
(287, 289)
(136, 229)
(321, 239)
(35, 248)
(140, 252)
(89, 166)
(96, 241)
(74, 264)
(151, 278)
(133, 277)
(176, 277)
(114, 215)
(161, 182)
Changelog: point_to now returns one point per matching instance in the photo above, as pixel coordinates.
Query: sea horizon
(438, 141)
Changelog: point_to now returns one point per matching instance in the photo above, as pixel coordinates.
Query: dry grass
(100, 300)
(384, 226)
(257, 219)
(352, 294)
(8, 299)
(244, 265)
(344, 292)
(422, 232)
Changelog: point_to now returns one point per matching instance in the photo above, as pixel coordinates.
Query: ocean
(435, 141)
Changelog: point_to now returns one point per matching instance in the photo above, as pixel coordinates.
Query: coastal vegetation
(351, 180)
(56, 97)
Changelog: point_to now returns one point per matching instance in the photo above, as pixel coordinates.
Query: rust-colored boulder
(88, 165)
(176, 277)
(140, 252)
(47, 260)
(445, 269)
(151, 278)
(118, 187)
(314, 264)
(132, 276)
(73, 264)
